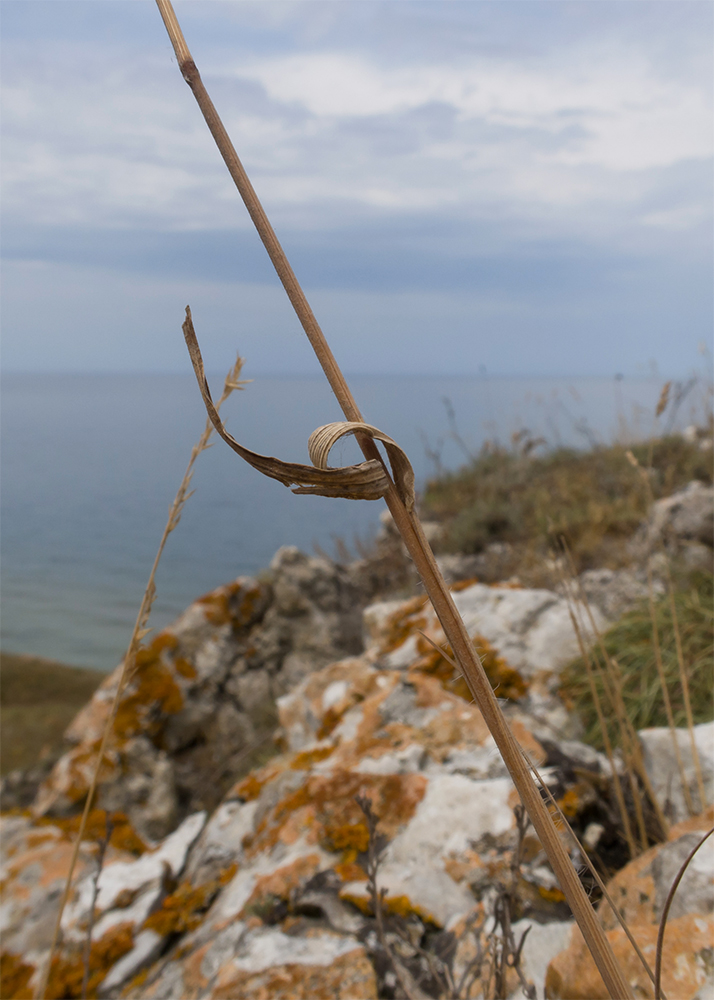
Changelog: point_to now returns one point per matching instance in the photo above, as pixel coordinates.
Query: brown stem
(410, 529)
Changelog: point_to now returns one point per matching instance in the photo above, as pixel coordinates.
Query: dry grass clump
(630, 643)
(587, 497)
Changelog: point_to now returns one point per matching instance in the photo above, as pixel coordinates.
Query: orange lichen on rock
(183, 909)
(404, 622)
(349, 977)
(67, 971)
(281, 883)
(504, 679)
(15, 976)
(234, 604)
(123, 837)
(325, 807)
(152, 691)
(572, 975)
(304, 761)
(185, 668)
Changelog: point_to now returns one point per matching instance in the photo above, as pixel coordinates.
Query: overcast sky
(524, 187)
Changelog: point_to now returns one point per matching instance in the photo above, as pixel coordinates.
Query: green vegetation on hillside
(630, 643)
(594, 499)
(39, 700)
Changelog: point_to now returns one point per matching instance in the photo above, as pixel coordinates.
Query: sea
(91, 463)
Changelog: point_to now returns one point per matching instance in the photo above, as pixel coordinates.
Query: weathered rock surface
(683, 525)
(663, 768)
(216, 885)
(203, 694)
(639, 890)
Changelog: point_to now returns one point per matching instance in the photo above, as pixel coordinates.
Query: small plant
(428, 973)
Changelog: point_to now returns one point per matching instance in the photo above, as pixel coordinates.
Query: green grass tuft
(630, 643)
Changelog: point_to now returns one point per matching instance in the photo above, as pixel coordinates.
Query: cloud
(495, 154)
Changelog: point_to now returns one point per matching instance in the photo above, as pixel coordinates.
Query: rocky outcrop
(202, 697)
(266, 893)
(682, 525)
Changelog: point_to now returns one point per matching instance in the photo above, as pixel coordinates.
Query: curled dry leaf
(366, 481)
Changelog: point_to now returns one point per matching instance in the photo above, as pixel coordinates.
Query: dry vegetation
(592, 498)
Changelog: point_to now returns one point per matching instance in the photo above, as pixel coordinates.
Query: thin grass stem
(684, 681)
(129, 662)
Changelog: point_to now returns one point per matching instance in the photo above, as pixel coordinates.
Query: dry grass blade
(412, 533)
(366, 481)
(625, 819)
(232, 382)
(665, 695)
(684, 681)
(665, 914)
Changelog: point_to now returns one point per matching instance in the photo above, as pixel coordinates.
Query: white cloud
(96, 139)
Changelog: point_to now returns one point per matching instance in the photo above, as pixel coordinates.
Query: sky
(522, 188)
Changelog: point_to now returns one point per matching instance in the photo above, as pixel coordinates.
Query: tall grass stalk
(611, 682)
(665, 693)
(684, 681)
(232, 382)
(409, 526)
(624, 817)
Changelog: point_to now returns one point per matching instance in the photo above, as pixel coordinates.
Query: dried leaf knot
(366, 481)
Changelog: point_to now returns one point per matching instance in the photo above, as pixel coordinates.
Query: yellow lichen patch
(463, 584)
(152, 691)
(402, 906)
(185, 668)
(330, 721)
(403, 623)
(15, 976)
(233, 604)
(123, 837)
(67, 972)
(505, 680)
(351, 837)
(551, 895)
(361, 902)
(349, 870)
(328, 804)
(183, 909)
(348, 977)
(304, 761)
(281, 883)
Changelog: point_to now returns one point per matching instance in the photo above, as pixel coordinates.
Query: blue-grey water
(91, 463)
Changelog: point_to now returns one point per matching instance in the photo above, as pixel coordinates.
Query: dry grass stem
(412, 533)
(574, 837)
(624, 817)
(232, 382)
(665, 695)
(684, 681)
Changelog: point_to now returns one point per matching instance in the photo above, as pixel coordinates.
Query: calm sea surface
(90, 465)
